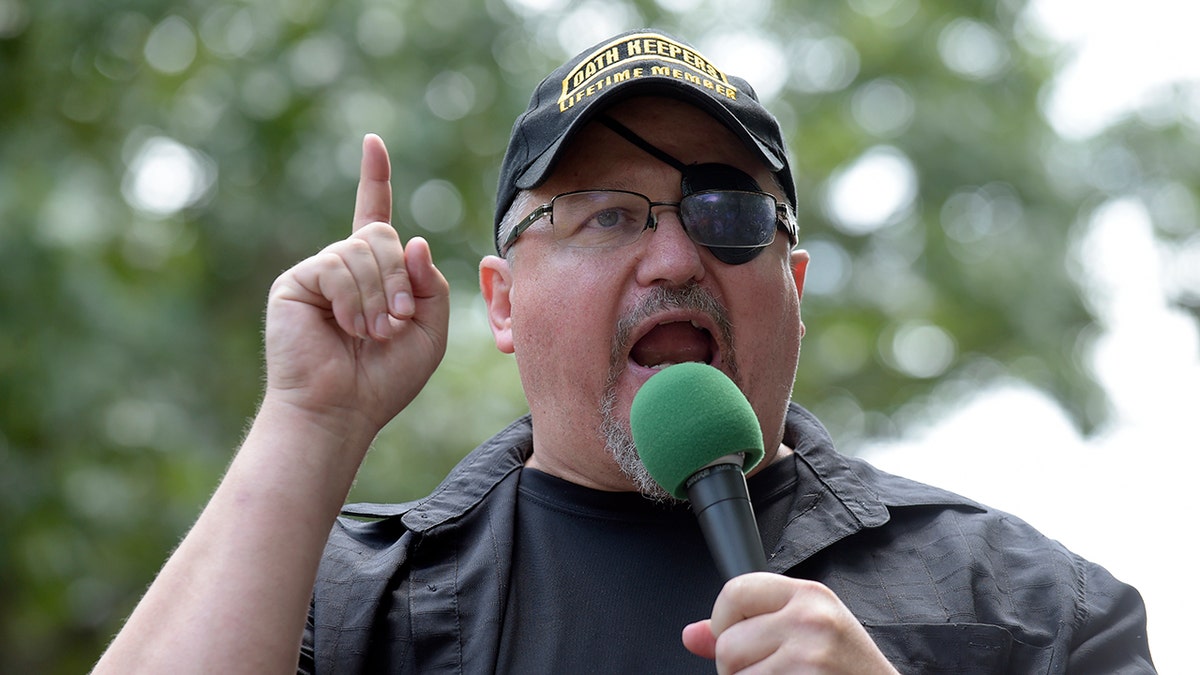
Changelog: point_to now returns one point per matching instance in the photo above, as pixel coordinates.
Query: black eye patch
(699, 178)
(715, 176)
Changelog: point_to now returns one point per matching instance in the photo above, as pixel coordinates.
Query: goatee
(617, 436)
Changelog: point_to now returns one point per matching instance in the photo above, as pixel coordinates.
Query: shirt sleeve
(307, 664)
(1111, 636)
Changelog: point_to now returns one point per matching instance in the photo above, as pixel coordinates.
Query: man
(645, 217)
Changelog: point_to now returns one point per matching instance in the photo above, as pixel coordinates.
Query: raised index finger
(373, 203)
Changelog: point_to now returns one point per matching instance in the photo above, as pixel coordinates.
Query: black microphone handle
(721, 503)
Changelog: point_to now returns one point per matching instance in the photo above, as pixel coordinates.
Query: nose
(668, 255)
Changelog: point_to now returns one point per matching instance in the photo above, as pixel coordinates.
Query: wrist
(301, 454)
(348, 425)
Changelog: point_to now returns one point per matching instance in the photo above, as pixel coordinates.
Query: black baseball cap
(637, 63)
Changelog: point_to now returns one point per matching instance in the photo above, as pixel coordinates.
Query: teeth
(664, 364)
(691, 321)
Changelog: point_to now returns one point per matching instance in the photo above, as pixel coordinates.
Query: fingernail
(403, 305)
(383, 327)
(360, 327)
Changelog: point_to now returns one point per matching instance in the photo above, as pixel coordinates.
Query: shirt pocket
(959, 648)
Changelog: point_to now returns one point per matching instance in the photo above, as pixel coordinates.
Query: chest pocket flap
(960, 648)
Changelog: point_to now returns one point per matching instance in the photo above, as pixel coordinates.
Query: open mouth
(672, 342)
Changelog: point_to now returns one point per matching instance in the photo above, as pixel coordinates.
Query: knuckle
(398, 275)
(328, 259)
(739, 584)
(281, 283)
(355, 247)
(378, 230)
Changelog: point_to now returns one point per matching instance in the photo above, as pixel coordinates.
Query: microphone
(697, 436)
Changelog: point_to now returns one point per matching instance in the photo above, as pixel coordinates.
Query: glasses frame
(785, 219)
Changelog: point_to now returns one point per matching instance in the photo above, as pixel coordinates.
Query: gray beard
(618, 438)
(619, 441)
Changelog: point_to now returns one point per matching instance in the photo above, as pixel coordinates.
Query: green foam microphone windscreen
(688, 415)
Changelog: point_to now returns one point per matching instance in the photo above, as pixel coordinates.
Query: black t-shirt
(604, 582)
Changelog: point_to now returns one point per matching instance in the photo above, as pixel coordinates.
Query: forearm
(234, 595)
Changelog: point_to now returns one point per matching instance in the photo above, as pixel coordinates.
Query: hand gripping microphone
(697, 435)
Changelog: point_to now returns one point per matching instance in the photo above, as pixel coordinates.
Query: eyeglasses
(735, 225)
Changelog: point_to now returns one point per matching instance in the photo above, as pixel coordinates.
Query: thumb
(699, 639)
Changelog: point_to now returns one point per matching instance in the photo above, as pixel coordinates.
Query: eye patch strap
(695, 177)
(627, 133)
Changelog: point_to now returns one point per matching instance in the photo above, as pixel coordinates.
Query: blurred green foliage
(161, 161)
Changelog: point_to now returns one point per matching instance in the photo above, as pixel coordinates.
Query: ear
(799, 269)
(495, 281)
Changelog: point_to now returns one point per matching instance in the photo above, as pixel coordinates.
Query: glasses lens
(599, 218)
(729, 218)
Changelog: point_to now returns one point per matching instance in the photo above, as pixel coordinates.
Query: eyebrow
(620, 183)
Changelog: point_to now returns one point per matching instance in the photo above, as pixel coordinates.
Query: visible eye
(600, 218)
(610, 218)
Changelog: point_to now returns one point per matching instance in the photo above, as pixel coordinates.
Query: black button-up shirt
(941, 583)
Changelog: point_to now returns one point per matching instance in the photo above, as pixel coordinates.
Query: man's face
(588, 326)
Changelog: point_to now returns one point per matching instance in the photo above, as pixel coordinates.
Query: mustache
(615, 428)
(692, 297)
